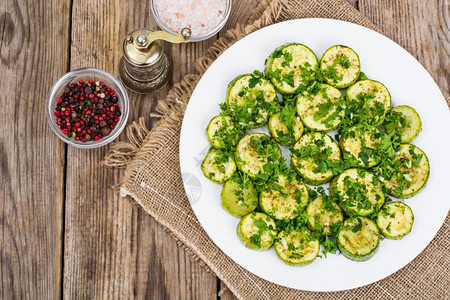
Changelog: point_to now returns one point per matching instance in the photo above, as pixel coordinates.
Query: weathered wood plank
(421, 27)
(241, 12)
(123, 242)
(353, 3)
(225, 293)
(33, 54)
(113, 249)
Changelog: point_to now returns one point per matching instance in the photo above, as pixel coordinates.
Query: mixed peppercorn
(87, 111)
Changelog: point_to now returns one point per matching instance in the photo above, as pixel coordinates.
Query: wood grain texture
(421, 27)
(112, 248)
(33, 54)
(353, 3)
(241, 12)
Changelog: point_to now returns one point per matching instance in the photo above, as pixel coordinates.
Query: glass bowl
(86, 74)
(194, 38)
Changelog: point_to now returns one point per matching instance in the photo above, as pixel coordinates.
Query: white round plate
(382, 60)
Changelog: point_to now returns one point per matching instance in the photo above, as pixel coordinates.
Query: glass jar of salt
(203, 17)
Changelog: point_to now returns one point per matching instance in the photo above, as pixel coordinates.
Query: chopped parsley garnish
(320, 155)
(255, 79)
(277, 53)
(394, 123)
(254, 103)
(256, 239)
(288, 118)
(354, 197)
(417, 160)
(358, 226)
(358, 195)
(331, 72)
(329, 246)
(388, 228)
(228, 133)
(362, 76)
(343, 61)
(287, 59)
(305, 75)
(301, 219)
(289, 78)
(329, 203)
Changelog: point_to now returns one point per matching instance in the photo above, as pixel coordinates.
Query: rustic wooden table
(64, 232)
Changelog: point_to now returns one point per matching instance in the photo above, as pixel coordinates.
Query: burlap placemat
(153, 180)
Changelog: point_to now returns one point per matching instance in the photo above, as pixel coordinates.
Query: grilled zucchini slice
(285, 199)
(409, 123)
(218, 166)
(255, 151)
(285, 129)
(314, 156)
(239, 196)
(358, 239)
(222, 132)
(321, 107)
(296, 247)
(410, 172)
(251, 99)
(359, 145)
(291, 67)
(257, 231)
(324, 216)
(368, 101)
(395, 220)
(359, 192)
(340, 66)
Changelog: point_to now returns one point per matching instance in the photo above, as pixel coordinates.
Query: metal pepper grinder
(145, 67)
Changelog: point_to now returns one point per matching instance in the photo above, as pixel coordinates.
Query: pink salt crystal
(179, 16)
(201, 16)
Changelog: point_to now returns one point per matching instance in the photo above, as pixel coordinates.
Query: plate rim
(360, 27)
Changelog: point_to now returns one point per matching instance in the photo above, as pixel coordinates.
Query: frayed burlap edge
(128, 154)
